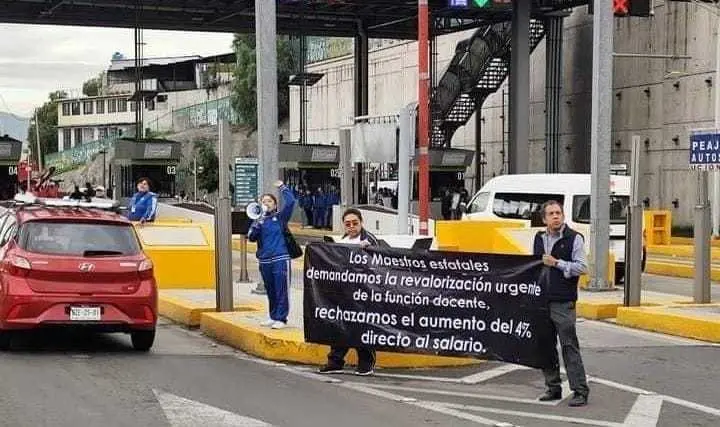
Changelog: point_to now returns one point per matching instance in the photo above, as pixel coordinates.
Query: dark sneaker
(550, 396)
(364, 371)
(329, 369)
(578, 400)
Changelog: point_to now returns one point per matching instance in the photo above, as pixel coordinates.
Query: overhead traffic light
(478, 4)
(622, 8)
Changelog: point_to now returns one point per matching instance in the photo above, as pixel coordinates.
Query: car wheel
(5, 340)
(143, 340)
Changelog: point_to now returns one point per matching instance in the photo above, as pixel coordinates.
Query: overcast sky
(36, 60)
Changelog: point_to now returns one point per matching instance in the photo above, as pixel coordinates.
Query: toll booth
(447, 170)
(10, 150)
(310, 165)
(155, 159)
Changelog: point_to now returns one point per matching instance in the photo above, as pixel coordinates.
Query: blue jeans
(276, 276)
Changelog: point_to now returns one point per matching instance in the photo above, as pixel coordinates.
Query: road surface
(637, 379)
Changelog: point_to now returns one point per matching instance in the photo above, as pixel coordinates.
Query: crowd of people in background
(317, 206)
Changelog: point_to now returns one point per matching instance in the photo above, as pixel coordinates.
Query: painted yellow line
(288, 345)
(677, 270)
(673, 321)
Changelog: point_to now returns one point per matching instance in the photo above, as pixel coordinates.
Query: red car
(74, 264)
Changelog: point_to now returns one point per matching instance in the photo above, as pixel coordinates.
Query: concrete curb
(189, 313)
(288, 345)
(597, 310)
(676, 270)
(680, 251)
(659, 319)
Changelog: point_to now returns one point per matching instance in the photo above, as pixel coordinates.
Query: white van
(520, 197)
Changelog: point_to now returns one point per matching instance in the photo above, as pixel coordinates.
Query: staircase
(480, 65)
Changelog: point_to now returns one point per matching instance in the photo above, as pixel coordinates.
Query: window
(88, 107)
(521, 205)
(67, 139)
(102, 133)
(88, 134)
(133, 106)
(150, 104)
(122, 105)
(65, 108)
(100, 106)
(7, 229)
(112, 105)
(78, 136)
(78, 239)
(76, 108)
(618, 209)
(478, 203)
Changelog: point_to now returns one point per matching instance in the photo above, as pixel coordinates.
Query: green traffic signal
(481, 3)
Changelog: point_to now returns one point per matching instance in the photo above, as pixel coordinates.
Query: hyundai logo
(86, 267)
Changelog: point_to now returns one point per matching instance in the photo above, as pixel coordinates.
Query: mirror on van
(536, 219)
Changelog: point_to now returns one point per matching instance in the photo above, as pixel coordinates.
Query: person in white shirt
(354, 234)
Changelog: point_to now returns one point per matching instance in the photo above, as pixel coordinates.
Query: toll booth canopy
(10, 150)
(155, 159)
(312, 166)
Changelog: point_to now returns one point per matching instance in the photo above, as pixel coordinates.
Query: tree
(48, 117)
(244, 91)
(93, 87)
(207, 161)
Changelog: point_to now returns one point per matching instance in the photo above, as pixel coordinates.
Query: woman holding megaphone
(270, 231)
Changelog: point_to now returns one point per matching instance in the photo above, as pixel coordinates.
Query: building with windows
(168, 85)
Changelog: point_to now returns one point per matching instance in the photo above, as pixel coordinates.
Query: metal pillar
(634, 227)
(267, 93)
(601, 126)
(424, 117)
(479, 157)
(553, 79)
(223, 229)
(406, 150)
(518, 148)
(346, 196)
(701, 291)
(361, 95)
(716, 174)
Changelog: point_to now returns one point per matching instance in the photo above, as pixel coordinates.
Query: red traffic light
(621, 7)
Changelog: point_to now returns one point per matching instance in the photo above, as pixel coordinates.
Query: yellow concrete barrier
(496, 237)
(657, 227)
(183, 254)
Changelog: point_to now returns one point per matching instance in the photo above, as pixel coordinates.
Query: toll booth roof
(387, 19)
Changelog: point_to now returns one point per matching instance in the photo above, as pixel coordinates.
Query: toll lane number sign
(12, 170)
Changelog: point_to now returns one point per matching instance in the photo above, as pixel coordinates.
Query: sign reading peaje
(487, 306)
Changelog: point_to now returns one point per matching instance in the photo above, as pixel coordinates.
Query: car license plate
(84, 314)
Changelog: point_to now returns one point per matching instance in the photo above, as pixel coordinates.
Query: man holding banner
(563, 253)
(355, 234)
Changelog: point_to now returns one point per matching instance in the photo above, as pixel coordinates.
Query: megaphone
(254, 210)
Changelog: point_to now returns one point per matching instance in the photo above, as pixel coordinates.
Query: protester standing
(355, 234)
(563, 253)
(272, 253)
(143, 205)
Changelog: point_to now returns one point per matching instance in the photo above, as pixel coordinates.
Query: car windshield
(618, 212)
(78, 239)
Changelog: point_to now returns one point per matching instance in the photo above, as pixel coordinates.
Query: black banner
(481, 305)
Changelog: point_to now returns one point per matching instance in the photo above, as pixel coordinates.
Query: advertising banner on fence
(487, 306)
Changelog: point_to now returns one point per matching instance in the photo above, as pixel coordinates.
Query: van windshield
(618, 211)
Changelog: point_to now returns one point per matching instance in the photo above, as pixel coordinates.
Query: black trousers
(366, 357)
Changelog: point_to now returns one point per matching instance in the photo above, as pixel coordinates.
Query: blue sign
(246, 181)
(705, 150)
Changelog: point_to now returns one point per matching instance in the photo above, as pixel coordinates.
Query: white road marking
(462, 394)
(501, 370)
(181, 412)
(692, 405)
(645, 412)
(439, 408)
(532, 415)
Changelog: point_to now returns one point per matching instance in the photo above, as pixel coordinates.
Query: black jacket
(557, 287)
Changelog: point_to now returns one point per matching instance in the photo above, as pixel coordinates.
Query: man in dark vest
(563, 254)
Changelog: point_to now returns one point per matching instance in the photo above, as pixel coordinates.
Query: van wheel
(143, 340)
